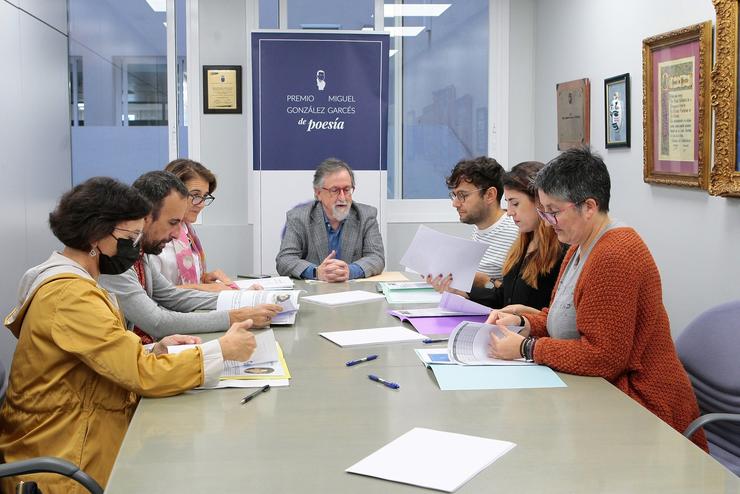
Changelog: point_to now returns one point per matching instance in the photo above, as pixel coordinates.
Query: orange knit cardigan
(625, 333)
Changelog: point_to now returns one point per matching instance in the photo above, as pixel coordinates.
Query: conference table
(585, 438)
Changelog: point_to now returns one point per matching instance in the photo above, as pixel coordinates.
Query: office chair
(708, 348)
(45, 464)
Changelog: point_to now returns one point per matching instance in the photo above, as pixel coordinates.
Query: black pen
(264, 388)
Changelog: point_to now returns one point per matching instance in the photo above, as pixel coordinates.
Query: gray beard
(340, 215)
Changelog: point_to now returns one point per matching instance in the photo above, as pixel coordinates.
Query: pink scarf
(187, 247)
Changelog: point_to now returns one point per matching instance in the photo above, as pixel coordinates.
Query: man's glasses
(552, 216)
(196, 199)
(461, 195)
(136, 239)
(334, 191)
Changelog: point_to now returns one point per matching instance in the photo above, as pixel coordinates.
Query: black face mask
(126, 255)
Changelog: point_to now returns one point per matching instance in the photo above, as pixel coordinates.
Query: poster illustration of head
(317, 95)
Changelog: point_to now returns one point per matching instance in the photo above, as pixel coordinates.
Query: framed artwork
(617, 111)
(676, 106)
(573, 112)
(222, 89)
(725, 175)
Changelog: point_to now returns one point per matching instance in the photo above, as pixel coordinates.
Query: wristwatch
(489, 284)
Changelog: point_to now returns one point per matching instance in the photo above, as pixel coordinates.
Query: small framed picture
(222, 89)
(617, 111)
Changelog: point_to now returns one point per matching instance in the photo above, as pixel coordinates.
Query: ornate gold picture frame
(725, 179)
(676, 106)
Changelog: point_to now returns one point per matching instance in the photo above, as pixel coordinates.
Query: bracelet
(521, 320)
(529, 348)
(521, 347)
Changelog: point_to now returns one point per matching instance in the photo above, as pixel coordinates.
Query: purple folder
(441, 325)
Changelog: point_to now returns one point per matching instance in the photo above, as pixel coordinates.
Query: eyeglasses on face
(196, 199)
(552, 216)
(334, 191)
(138, 235)
(461, 195)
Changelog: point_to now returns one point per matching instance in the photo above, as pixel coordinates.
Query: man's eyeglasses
(552, 216)
(196, 199)
(136, 239)
(461, 195)
(334, 191)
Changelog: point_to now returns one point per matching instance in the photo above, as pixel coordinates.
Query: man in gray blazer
(153, 307)
(333, 238)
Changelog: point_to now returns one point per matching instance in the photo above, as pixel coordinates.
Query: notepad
(373, 336)
(343, 298)
(456, 458)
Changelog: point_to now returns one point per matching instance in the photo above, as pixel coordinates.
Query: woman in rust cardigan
(606, 317)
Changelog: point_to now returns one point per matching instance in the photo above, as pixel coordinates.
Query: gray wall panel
(53, 12)
(35, 158)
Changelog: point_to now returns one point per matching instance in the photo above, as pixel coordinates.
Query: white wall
(34, 139)
(693, 236)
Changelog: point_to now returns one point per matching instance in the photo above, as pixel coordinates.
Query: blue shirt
(335, 244)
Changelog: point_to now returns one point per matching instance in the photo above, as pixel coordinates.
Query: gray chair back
(709, 348)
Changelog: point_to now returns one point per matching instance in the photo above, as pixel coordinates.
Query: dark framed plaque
(617, 111)
(222, 89)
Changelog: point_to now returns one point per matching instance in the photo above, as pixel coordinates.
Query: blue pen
(383, 381)
(431, 340)
(361, 360)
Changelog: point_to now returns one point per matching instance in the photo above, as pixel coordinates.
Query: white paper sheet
(432, 459)
(287, 299)
(274, 283)
(468, 345)
(373, 336)
(342, 298)
(266, 350)
(432, 252)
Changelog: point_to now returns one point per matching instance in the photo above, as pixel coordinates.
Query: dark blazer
(514, 290)
(306, 242)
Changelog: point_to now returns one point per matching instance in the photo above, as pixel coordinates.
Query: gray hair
(576, 175)
(329, 166)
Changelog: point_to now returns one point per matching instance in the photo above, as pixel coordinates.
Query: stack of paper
(469, 343)
(409, 292)
(343, 298)
(274, 283)
(453, 309)
(432, 252)
(374, 336)
(433, 459)
(265, 366)
(287, 299)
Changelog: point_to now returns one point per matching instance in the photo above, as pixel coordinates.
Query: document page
(432, 252)
(457, 458)
(468, 344)
(342, 298)
(374, 336)
(274, 283)
(287, 299)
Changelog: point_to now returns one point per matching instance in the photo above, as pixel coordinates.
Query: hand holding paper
(436, 253)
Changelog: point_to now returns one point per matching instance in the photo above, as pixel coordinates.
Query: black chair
(45, 464)
(708, 349)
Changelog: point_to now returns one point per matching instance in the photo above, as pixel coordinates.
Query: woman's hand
(160, 347)
(442, 284)
(238, 343)
(506, 346)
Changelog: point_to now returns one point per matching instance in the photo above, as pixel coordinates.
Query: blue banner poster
(320, 95)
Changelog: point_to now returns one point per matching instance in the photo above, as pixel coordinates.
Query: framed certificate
(676, 106)
(725, 176)
(573, 112)
(222, 89)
